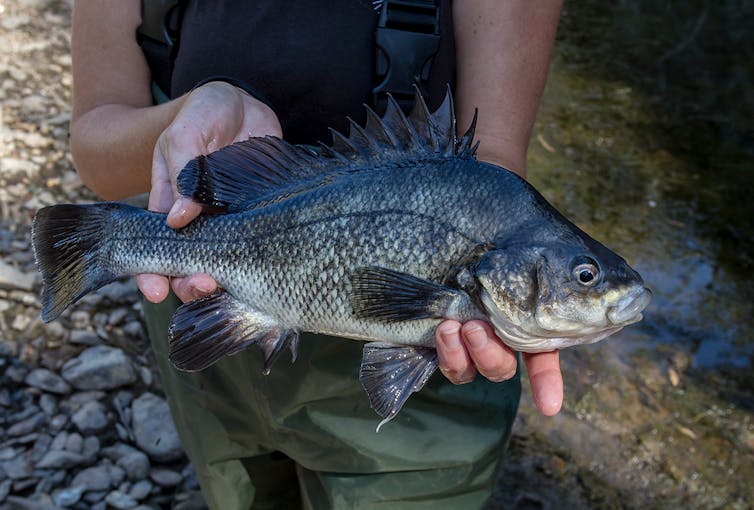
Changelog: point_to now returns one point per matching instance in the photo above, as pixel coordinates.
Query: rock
(5, 486)
(90, 418)
(95, 497)
(12, 278)
(99, 368)
(135, 464)
(26, 426)
(140, 490)
(17, 467)
(121, 501)
(84, 337)
(117, 316)
(153, 428)
(74, 443)
(21, 322)
(58, 422)
(68, 497)
(48, 381)
(36, 502)
(96, 478)
(60, 459)
(41, 446)
(58, 442)
(90, 448)
(165, 477)
(48, 403)
(124, 291)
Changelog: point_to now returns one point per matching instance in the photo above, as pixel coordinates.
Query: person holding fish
(303, 436)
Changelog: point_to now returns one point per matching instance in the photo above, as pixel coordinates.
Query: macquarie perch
(376, 238)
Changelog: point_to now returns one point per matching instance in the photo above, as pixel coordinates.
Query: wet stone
(47, 381)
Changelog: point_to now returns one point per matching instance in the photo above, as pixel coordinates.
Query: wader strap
(158, 37)
(407, 39)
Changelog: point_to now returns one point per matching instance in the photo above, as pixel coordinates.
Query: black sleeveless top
(313, 61)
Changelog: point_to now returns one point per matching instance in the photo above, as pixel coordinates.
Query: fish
(377, 237)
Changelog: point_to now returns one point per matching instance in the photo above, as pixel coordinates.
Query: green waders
(304, 435)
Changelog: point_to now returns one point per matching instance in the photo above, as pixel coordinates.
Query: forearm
(112, 146)
(503, 52)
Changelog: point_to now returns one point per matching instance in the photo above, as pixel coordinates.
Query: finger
(182, 212)
(153, 286)
(161, 195)
(546, 381)
(493, 359)
(452, 358)
(194, 286)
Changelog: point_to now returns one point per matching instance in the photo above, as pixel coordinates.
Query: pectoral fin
(205, 330)
(391, 296)
(390, 373)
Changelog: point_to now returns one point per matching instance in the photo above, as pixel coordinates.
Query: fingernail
(476, 337)
(178, 209)
(451, 338)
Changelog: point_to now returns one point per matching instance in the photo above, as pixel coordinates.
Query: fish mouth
(628, 309)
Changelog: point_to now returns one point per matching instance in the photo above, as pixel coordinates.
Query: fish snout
(629, 307)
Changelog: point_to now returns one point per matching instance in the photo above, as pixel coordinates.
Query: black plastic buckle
(407, 39)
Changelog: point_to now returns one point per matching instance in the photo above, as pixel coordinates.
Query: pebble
(26, 426)
(48, 381)
(165, 477)
(90, 418)
(68, 497)
(121, 501)
(96, 478)
(153, 428)
(84, 337)
(135, 464)
(17, 467)
(74, 443)
(60, 459)
(11, 278)
(140, 490)
(99, 368)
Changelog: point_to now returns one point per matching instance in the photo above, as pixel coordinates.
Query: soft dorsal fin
(239, 176)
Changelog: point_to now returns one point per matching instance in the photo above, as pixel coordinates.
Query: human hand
(211, 116)
(471, 348)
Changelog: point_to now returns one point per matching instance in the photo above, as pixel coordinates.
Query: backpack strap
(407, 39)
(158, 36)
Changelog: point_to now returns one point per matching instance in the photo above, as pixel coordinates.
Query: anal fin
(207, 329)
(390, 373)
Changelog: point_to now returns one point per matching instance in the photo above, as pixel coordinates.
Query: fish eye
(586, 272)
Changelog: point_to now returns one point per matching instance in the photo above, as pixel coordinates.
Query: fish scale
(378, 238)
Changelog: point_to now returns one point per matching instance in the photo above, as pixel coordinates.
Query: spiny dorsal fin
(258, 170)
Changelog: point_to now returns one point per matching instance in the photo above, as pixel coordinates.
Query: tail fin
(67, 240)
